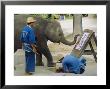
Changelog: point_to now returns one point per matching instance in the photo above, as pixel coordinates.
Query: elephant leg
(39, 59)
(47, 54)
(45, 50)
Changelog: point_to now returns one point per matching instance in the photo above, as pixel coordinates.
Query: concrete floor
(91, 67)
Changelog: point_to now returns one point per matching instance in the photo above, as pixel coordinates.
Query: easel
(86, 37)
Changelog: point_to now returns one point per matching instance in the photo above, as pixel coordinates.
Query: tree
(77, 24)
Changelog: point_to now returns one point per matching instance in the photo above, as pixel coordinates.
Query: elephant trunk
(66, 42)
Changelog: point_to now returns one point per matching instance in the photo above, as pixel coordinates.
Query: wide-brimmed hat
(30, 19)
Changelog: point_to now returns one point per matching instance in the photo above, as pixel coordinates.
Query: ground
(58, 51)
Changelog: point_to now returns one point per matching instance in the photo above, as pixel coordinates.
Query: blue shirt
(27, 37)
(73, 64)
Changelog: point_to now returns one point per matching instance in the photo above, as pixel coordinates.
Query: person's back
(73, 64)
(27, 34)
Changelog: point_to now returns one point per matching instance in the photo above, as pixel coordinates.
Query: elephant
(45, 30)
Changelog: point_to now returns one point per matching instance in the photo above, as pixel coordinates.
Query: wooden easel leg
(94, 54)
(95, 39)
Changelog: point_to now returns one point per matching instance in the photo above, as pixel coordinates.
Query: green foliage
(52, 17)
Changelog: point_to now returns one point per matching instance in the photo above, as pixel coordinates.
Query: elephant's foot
(51, 64)
(40, 64)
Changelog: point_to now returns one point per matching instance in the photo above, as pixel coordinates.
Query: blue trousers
(30, 61)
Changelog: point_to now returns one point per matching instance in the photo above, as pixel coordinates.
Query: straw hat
(30, 19)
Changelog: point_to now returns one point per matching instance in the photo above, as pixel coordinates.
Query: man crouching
(72, 64)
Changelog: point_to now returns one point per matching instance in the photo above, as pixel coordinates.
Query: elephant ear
(37, 27)
(41, 22)
(53, 24)
(39, 19)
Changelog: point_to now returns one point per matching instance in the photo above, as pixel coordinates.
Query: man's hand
(34, 50)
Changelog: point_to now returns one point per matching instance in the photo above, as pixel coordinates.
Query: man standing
(27, 38)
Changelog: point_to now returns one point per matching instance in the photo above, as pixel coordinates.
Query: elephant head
(53, 30)
(55, 34)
